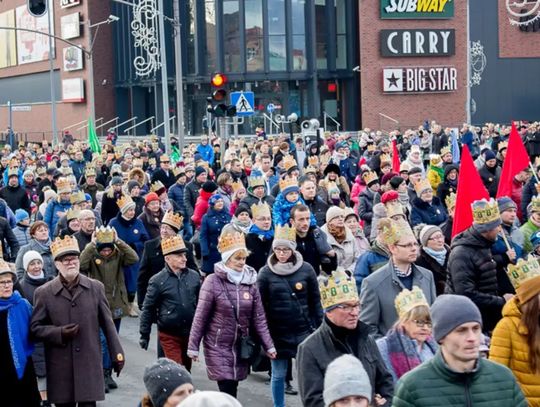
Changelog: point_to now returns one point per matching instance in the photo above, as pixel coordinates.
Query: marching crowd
(337, 253)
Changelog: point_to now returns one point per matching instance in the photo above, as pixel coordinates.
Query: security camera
(112, 18)
(356, 68)
(292, 118)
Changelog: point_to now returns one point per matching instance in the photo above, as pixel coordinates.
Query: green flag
(93, 140)
(175, 156)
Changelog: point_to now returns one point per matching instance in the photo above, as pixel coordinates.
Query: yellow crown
(394, 208)
(310, 170)
(370, 176)
(104, 235)
(124, 201)
(4, 266)
(406, 300)
(237, 186)
(285, 233)
(446, 150)
(90, 172)
(177, 171)
(385, 158)
(392, 231)
(289, 162)
(337, 289)
(371, 147)
(61, 247)
(435, 159)
(13, 172)
(535, 204)
(172, 219)
(173, 244)
(72, 214)
(502, 145)
(231, 241)
(156, 186)
(422, 186)
(260, 209)
(313, 161)
(66, 171)
(137, 162)
(77, 197)
(287, 182)
(450, 200)
(257, 181)
(485, 211)
(63, 185)
(524, 270)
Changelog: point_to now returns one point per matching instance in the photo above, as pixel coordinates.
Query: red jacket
(517, 189)
(201, 207)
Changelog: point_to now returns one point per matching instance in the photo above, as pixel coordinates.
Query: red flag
(470, 188)
(395, 157)
(516, 160)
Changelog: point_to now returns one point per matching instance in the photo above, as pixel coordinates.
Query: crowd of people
(327, 257)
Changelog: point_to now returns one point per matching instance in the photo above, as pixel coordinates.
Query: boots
(110, 384)
(133, 310)
(45, 403)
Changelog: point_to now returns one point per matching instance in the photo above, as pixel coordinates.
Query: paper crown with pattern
(104, 235)
(313, 161)
(535, 203)
(90, 172)
(157, 186)
(231, 241)
(13, 172)
(450, 200)
(394, 208)
(174, 244)
(286, 183)
(310, 170)
(446, 150)
(524, 270)
(177, 171)
(422, 186)
(370, 177)
(124, 201)
(260, 209)
(285, 233)
(66, 171)
(289, 162)
(174, 220)
(61, 247)
(5, 267)
(386, 159)
(406, 300)
(337, 289)
(72, 214)
(237, 186)
(485, 211)
(77, 197)
(137, 162)
(63, 186)
(392, 231)
(502, 145)
(256, 181)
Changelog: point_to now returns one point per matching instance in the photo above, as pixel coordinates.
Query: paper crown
(435, 159)
(124, 201)
(137, 162)
(4, 267)
(450, 200)
(406, 300)
(371, 147)
(175, 220)
(404, 167)
(386, 159)
(446, 150)
(104, 235)
(13, 172)
(66, 171)
(40, 171)
(313, 161)
(237, 186)
(289, 162)
(61, 247)
(310, 170)
(157, 186)
(152, 160)
(370, 177)
(256, 181)
(337, 289)
(392, 231)
(77, 197)
(502, 145)
(231, 241)
(485, 211)
(286, 183)
(63, 186)
(422, 186)
(394, 208)
(285, 233)
(260, 209)
(535, 203)
(90, 172)
(176, 170)
(522, 271)
(174, 244)
(72, 214)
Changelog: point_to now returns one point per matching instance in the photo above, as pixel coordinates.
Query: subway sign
(417, 9)
(417, 43)
(414, 79)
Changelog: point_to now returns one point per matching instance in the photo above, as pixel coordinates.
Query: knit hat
(49, 194)
(29, 257)
(199, 170)
(214, 198)
(20, 215)
(152, 196)
(387, 177)
(27, 173)
(535, 240)
(162, 378)
(332, 168)
(489, 155)
(345, 376)
(415, 170)
(241, 209)
(209, 186)
(426, 232)
(88, 197)
(505, 203)
(449, 311)
(389, 196)
(333, 212)
(210, 399)
(116, 180)
(395, 182)
(132, 184)
(350, 212)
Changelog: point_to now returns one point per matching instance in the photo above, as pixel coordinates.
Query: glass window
(341, 20)
(276, 17)
(277, 49)
(190, 23)
(341, 52)
(254, 35)
(210, 19)
(299, 53)
(320, 24)
(298, 8)
(231, 37)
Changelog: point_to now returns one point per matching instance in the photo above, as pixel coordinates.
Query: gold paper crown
(90, 172)
(40, 171)
(156, 186)
(63, 185)
(177, 171)
(394, 208)
(152, 161)
(446, 150)
(257, 181)
(13, 172)
(371, 147)
(535, 203)
(289, 162)
(104, 235)
(502, 145)
(231, 241)
(370, 176)
(172, 219)
(67, 245)
(287, 182)
(310, 170)
(385, 158)
(406, 300)
(421, 186)
(123, 201)
(524, 270)
(337, 289)
(260, 209)
(138, 162)
(72, 214)
(66, 171)
(394, 230)
(485, 211)
(4, 266)
(313, 161)
(77, 197)
(435, 159)
(173, 244)
(450, 200)
(285, 233)
(237, 186)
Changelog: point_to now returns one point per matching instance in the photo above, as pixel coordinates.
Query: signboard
(244, 102)
(417, 43)
(270, 107)
(21, 108)
(73, 90)
(73, 59)
(69, 3)
(420, 79)
(417, 9)
(70, 26)
(8, 42)
(33, 47)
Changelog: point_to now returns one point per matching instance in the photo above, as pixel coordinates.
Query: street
(251, 392)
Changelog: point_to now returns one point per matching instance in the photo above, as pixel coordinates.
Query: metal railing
(161, 124)
(121, 124)
(126, 131)
(326, 116)
(272, 124)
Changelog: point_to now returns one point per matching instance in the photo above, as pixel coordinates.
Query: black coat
(109, 207)
(365, 209)
(191, 192)
(251, 199)
(10, 244)
(473, 272)
(439, 272)
(318, 208)
(259, 249)
(529, 190)
(167, 179)
(292, 305)
(16, 198)
(432, 213)
(490, 178)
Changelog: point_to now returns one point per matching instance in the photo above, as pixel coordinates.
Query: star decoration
(393, 80)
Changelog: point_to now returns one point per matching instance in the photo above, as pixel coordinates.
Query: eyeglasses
(421, 324)
(436, 237)
(67, 260)
(409, 245)
(347, 307)
(165, 162)
(282, 250)
(6, 283)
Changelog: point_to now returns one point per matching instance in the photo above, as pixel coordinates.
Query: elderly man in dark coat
(69, 312)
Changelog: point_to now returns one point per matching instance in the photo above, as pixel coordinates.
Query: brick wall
(514, 43)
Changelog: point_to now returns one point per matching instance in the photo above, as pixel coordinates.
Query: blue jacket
(281, 211)
(206, 152)
(211, 226)
(368, 262)
(176, 193)
(6, 212)
(78, 168)
(51, 214)
(430, 214)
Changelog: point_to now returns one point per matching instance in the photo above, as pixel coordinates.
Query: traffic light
(219, 96)
(37, 7)
(219, 80)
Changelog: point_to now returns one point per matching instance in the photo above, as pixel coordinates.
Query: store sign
(73, 90)
(73, 59)
(420, 79)
(69, 3)
(416, 9)
(416, 43)
(70, 26)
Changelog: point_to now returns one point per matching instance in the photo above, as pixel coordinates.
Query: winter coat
(215, 324)
(16, 198)
(212, 225)
(489, 384)
(22, 234)
(10, 244)
(201, 208)
(344, 190)
(259, 249)
(365, 209)
(227, 198)
(151, 222)
(514, 237)
(249, 200)
(447, 187)
(176, 194)
(92, 190)
(509, 347)
(292, 304)
(206, 152)
(379, 291)
(439, 272)
(347, 251)
(490, 178)
(82, 239)
(191, 192)
(318, 208)
(528, 229)
(432, 213)
(78, 168)
(74, 367)
(109, 207)
(54, 211)
(108, 270)
(48, 264)
(31, 190)
(167, 178)
(379, 212)
(369, 262)
(473, 272)
(529, 190)
(322, 347)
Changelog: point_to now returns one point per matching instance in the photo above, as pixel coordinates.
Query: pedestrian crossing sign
(244, 102)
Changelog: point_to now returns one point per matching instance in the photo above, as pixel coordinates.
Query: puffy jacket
(51, 214)
(365, 209)
(9, 243)
(490, 384)
(473, 272)
(509, 348)
(206, 152)
(48, 264)
(201, 207)
(432, 213)
(292, 304)
(215, 324)
(171, 300)
(176, 194)
(212, 225)
(22, 234)
(369, 262)
(490, 178)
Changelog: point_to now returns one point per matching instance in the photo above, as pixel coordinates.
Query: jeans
(188, 230)
(107, 362)
(279, 372)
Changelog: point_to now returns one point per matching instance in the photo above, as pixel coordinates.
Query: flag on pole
(470, 188)
(395, 157)
(93, 140)
(515, 161)
(175, 155)
(455, 148)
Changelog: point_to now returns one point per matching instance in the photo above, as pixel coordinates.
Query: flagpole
(533, 171)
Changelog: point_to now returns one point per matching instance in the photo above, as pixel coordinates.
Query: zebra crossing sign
(244, 102)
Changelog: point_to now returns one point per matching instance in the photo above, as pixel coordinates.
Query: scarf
(285, 269)
(18, 326)
(45, 246)
(438, 255)
(404, 199)
(244, 227)
(263, 234)
(339, 233)
(41, 275)
(233, 276)
(403, 352)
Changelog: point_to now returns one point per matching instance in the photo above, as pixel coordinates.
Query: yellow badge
(246, 296)
(98, 262)
(490, 179)
(120, 357)
(135, 231)
(298, 286)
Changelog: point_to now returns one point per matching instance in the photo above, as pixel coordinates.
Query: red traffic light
(332, 87)
(218, 80)
(219, 95)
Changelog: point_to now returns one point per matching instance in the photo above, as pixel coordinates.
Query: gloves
(143, 343)
(118, 364)
(69, 331)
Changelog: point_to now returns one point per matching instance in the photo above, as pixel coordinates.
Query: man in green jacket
(457, 376)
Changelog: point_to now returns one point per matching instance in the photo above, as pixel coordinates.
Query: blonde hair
(420, 313)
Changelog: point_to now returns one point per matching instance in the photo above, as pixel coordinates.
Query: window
(320, 32)
(277, 45)
(277, 50)
(231, 36)
(190, 23)
(210, 19)
(254, 35)
(341, 31)
(299, 58)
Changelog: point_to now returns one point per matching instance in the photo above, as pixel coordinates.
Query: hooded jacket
(447, 186)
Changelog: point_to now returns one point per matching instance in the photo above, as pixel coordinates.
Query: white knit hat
(210, 399)
(30, 256)
(333, 212)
